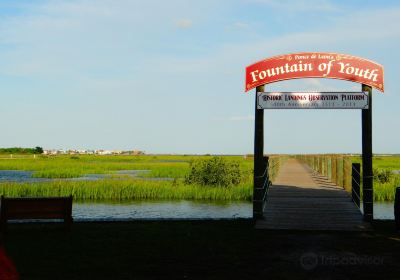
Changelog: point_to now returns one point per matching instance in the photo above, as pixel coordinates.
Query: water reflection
(20, 176)
(382, 210)
(161, 210)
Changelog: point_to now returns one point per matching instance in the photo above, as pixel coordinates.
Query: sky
(168, 76)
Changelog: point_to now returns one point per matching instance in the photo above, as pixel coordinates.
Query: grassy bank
(119, 187)
(198, 250)
(384, 191)
(127, 189)
(66, 166)
(76, 166)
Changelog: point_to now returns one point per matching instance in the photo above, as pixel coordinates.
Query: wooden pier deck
(299, 199)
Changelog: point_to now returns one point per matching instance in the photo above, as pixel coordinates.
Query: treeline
(17, 150)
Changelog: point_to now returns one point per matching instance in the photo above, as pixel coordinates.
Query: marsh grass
(170, 170)
(120, 187)
(126, 189)
(386, 191)
(69, 167)
(75, 166)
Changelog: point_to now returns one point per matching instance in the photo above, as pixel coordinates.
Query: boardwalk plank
(300, 199)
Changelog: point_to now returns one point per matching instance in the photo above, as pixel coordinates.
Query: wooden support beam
(368, 195)
(258, 154)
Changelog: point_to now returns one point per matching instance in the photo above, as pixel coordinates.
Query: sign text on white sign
(312, 100)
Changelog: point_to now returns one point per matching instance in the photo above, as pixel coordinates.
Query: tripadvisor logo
(310, 260)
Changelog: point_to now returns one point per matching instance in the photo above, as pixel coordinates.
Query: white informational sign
(312, 100)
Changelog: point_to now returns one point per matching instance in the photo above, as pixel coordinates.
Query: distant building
(92, 152)
(103, 152)
(137, 152)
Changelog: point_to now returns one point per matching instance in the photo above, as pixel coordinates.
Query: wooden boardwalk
(299, 199)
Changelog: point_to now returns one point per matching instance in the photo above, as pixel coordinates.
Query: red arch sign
(315, 65)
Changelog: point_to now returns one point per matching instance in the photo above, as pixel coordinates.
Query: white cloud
(184, 23)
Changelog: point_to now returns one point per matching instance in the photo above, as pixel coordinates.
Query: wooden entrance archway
(313, 65)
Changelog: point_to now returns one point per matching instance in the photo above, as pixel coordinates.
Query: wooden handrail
(35, 208)
(355, 183)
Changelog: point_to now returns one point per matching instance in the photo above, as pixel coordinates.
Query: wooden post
(334, 167)
(339, 171)
(258, 156)
(329, 168)
(355, 183)
(347, 171)
(320, 165)
(368, 196)
(397, 208)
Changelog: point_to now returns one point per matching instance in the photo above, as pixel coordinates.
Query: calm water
(19, 176)
(26, 176)
(182, 210)
(383, 210)
(161, 210)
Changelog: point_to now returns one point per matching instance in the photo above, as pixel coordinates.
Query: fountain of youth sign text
(315, 65)
(312, 100)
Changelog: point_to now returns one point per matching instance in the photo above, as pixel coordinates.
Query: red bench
(35, 208)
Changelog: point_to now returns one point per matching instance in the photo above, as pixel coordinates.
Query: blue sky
(168, 76)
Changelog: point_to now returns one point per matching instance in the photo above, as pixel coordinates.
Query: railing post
(258, 157)
(329, 168)
(334, 177)
(347, 167)
(397, 208)
(341, 173)
(319, 165)
(326, 166)
(368, 182)
(266, 168)
(355, 183)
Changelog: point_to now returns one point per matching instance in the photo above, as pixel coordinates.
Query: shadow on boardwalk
(300, 199)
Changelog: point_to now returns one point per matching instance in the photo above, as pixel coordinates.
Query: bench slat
(36, 208)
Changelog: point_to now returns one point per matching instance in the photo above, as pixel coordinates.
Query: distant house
(91, 152)
(103, 152)
(54, 152)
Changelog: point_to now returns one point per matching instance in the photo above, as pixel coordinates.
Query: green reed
(386, 191)
(126, 189)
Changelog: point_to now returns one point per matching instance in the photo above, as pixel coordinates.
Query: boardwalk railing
(303, 200)
(355, 183)
(339, 170)
(262, 184)
(336, 168)
(397, 209)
